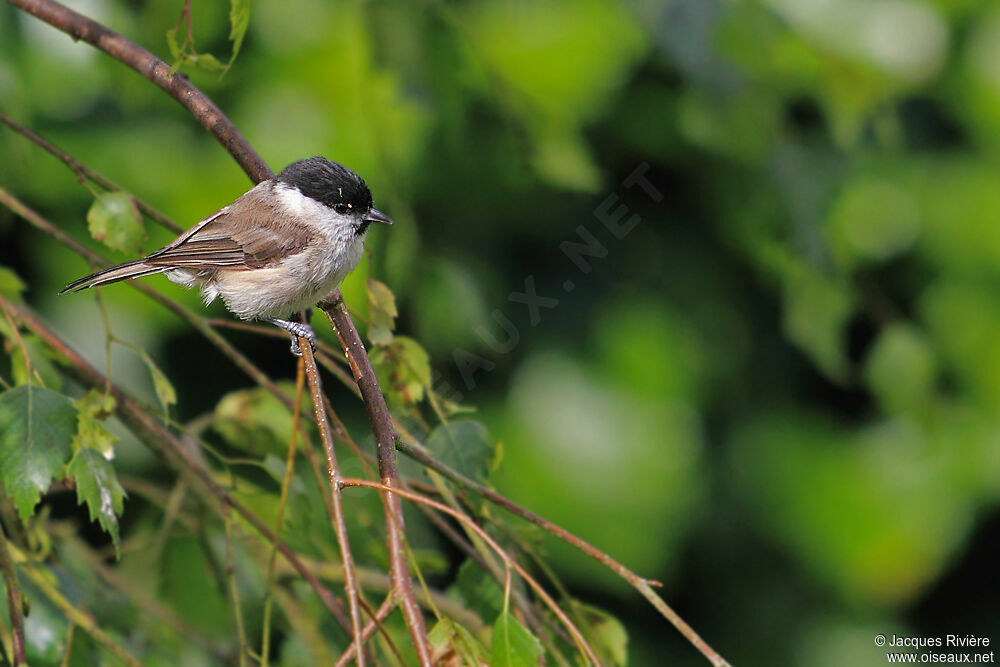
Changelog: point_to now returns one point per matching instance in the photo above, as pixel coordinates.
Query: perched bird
(277, 250)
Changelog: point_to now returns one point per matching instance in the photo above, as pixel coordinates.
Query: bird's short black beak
(375, 215)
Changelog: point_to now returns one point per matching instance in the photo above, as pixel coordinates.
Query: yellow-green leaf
(403, 369)
(114, 220)
(513, 645)
(92, 408)
(464, 445)
(447, 634)
(11, 284)
(98, 487)
(239, 20)
(165, 391)
(382, 312)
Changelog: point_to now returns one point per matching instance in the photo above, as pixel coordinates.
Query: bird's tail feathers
(133, 269)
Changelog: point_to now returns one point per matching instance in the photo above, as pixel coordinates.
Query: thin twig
(644, 586)
(234, 590)
(83, 172)
(381, 614)
(504, 556)
(155, 70)
(286, 482)
(15, 602)
(385, 443)
(333, 470)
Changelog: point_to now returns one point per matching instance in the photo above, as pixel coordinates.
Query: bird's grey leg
(296, 329)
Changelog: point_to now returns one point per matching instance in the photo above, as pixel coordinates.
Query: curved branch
(508, 560)
(126, 51)
(85, 173)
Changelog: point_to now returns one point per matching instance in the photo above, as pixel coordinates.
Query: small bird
(277, 250)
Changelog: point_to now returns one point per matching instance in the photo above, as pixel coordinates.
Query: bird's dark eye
(341, 208)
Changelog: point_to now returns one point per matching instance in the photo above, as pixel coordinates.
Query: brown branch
(83, 172)
(333, 470)
(15, 602)
(508, 560)
(385, 443)
(380, 615)
(286, 482)
(644, 586)
(149, 430)
(126, 51)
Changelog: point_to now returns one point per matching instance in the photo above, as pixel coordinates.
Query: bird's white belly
(294, 284)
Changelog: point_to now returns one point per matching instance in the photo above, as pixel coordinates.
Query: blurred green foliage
(778, 393)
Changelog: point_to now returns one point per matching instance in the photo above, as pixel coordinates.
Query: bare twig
(155, 70)
(241, 635)
(385, 443)
(333, 470)
(85, 173)
(504, 556)
(14, 602)
(265, 644)
(381, 614)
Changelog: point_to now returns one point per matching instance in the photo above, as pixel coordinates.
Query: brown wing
(250, 233)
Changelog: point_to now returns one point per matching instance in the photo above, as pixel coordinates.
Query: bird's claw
(303, 331)
(297, 330)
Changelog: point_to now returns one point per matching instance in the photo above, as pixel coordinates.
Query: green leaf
(11, 284)
(190, 583)
(164, 389)
(97, 485)
(36, 435)
(480, 591)
(115, 221)
(239, 20)
(403, 369)
(446, 633)
(606, 634)
(513, 645)
(901, 369)
(817, 310)
(205, 61)
(563, 159)
(873, 220)
(41, 366)
(382, 311)
(465, 446)
(93, 407)
(175, 50)
(254, 421)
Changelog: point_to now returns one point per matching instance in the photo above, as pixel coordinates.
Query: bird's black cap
(328, 183)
